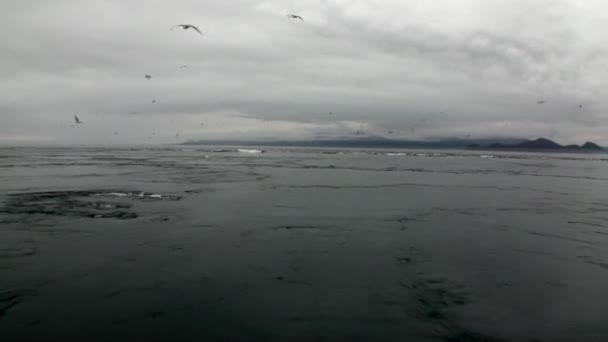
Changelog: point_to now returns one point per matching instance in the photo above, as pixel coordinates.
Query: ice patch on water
(486, 156)
(395, 154)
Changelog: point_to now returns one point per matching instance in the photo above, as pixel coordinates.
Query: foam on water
(252, 151)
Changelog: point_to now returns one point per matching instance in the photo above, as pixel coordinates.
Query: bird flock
(184, 27)
(194, 28)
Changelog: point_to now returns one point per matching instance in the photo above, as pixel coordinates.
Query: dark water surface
(179, 243)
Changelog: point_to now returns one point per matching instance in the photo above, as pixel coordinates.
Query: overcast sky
(418, 69)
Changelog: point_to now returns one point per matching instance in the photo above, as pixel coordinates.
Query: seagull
(148, 77)
(293, 16)
(188, 26)
(77, 120)
(541, 102)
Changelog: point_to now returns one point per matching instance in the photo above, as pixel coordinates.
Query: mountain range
(507, 144)
(543, 144)
(363, 142)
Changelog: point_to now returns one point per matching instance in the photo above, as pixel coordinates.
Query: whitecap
(114, 194)
(252, 151)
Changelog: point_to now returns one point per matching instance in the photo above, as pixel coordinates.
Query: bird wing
(298, 17)
(76, 118)
(182, 26)
(197, 30)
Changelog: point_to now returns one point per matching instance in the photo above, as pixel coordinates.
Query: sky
(400, 69)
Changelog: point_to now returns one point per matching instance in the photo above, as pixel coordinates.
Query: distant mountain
(364, 142)
(591, 146)
(539, 144)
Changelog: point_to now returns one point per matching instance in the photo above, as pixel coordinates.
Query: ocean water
(207, 243)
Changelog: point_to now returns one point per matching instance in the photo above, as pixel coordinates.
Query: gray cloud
(420, 69)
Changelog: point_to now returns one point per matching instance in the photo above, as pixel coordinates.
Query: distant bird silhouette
(183, 67)
(580, 106)
(77, 120)
(188, 26)
(540, 102)
(153, 101)
(148, 77)
(293, 16)
(177, 134)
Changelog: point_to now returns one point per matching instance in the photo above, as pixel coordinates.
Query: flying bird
(293, 16)
(177, 134)
(183, 66)
(540, 102)
(148, 77)
(153, 101)
(580, 106)
(77, 120)
(188, 26)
